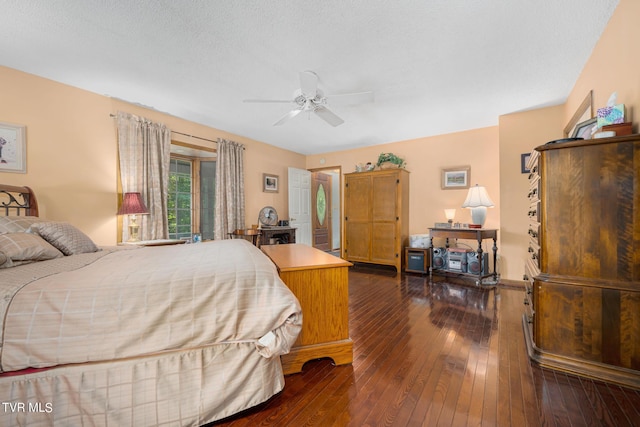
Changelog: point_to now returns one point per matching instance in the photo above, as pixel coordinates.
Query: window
(179, 199)
(191, 197)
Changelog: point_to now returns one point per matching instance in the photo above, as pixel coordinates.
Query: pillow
(3, 258)
(17, 224)
(23, 248)
(65, 237)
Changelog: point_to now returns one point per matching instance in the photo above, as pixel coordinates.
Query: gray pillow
(17, 224)
(65, 237)
(23, 248)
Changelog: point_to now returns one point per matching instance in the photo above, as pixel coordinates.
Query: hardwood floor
(439, 354)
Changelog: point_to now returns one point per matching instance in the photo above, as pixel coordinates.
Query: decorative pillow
(65, 237)
(17, 224)
(23, 248)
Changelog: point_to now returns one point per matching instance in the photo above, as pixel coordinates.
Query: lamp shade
(132, 204)
(477, 197)
(450, 214)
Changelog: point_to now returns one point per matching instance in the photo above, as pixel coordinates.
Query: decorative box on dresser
(583, 302)
(376, 221)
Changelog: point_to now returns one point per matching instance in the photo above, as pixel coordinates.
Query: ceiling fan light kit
(313, 100)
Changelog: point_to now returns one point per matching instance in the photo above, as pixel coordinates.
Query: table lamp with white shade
(478, 201)
(450, 214)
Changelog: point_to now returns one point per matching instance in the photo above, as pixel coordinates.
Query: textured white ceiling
(436, 66)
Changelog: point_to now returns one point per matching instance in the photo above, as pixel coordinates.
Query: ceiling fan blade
(265, 101)
(290, 115)
(328, 116)
(350, 98)
(309, 83)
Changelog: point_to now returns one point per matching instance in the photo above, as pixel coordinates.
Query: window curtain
(229, 210)
(144, 154)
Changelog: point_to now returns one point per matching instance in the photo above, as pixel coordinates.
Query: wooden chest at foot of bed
(320, 281)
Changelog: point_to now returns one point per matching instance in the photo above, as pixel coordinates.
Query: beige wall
(425, 159)
(520, 133)
(72, 152)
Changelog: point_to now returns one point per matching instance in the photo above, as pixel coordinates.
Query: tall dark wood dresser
(582, 310)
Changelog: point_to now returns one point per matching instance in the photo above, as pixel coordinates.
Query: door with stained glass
(321, 208)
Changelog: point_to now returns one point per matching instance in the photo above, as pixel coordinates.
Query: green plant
(390, 157)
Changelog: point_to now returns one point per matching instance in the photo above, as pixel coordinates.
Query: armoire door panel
(384, 208)
(358, 197)
(358, 241)
(384, 242)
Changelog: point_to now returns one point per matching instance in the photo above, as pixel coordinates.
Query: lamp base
(478, 215)
(134, 228)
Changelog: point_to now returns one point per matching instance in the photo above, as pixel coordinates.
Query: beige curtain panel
(144, 154)
(229, 211)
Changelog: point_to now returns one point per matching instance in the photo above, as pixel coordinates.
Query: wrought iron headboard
(17, 201)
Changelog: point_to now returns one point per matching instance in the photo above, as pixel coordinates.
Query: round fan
(268, 216)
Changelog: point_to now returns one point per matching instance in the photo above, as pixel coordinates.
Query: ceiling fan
(310, 98)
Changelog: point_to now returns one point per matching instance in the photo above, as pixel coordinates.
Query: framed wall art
(456, 178)
(524, 159)
(584, 112)
(269, 183)
(583, 129)
(13, 148)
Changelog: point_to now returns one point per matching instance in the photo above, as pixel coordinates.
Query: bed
(133, 336)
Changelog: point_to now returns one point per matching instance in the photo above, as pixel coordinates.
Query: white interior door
(300, 204)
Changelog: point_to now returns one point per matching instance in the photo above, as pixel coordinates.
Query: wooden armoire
(583, 294)
(376, 216)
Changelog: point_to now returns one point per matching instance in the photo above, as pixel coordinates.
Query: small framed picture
(456, 178)
(524, 159)
(13, 148)
(269, 183)
(583, 129)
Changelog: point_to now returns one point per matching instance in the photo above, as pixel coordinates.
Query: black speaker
(440, 258)
(474, 266)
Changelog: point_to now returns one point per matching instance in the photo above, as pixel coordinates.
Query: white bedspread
(145, 301)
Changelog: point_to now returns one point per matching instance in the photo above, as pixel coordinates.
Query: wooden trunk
(586, 299)
(376, 218)
(320, 281)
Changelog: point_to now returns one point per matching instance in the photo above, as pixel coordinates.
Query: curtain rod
(184, 134)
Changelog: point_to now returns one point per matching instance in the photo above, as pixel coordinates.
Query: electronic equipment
(268, 217)
(440, 257)
(417, 260)
(457, 259)
(475, 266)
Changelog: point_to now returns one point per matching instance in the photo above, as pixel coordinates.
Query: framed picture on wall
(13, 149)
(269, 183)
(524, 159)
(456, 178)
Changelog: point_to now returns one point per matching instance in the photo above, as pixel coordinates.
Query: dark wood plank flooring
(438, 354)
